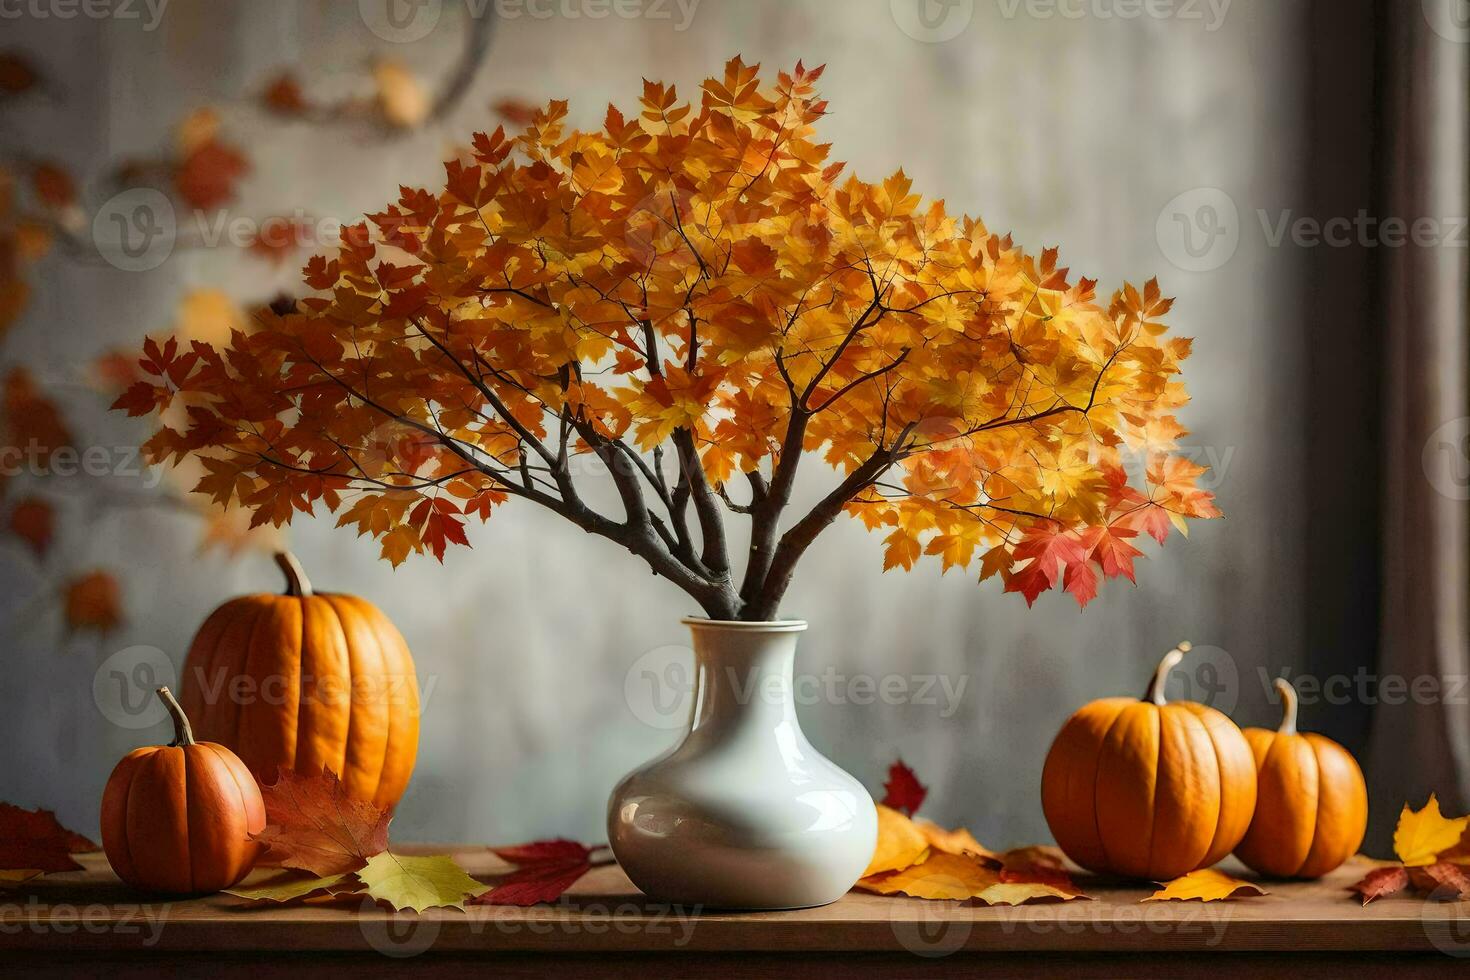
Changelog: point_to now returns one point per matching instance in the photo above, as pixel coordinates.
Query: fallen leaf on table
(34, 842)
(14, 876)
(1207, 885)
(1443, 880)
(418, 883)
(1422, 834)
(1006, 892)
(957, 841)
(1381, 882)
(901, 843)
(284, 888)
(939, 876)
(313, 825)
(903, 791)
(1039, 866)
(545, 869)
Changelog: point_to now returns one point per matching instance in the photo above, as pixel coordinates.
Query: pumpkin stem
(1288, 706)
(297, 584)
(1155, 692)
(183, 731)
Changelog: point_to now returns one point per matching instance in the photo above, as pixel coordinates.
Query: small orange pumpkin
(1311, 800)
(177, 818)
(1148, 788)
(306, 681)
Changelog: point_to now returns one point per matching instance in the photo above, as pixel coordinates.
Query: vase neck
(745, 677)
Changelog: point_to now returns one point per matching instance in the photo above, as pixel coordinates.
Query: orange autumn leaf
(957, 841)
(17, 75)
(35, 841)
(900, 843)
(92, 601)
(33, 521)
(940, 876)
(284, 96)
(1443, 881)
(693, 294)
(31, 418)
(313, 825)
(1206, 885)
(206, 177)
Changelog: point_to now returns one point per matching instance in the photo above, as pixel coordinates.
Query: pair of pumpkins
(1156, 789)
(301, 681)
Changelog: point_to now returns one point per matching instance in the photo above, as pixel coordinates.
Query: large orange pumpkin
(177, 818)
(1148, 788)
(308, 680)
(1311, 800)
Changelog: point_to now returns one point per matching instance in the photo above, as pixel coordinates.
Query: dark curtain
(1388, 420)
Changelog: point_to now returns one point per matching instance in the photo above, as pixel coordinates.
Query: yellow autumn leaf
(1207, 885)
(209, 315)
(418, 883)
(1422, 834)
(197, 129)
(901, 844)
(958, 841)
(940, 876)
(285, 887)
(1021, 892)
(401, 97)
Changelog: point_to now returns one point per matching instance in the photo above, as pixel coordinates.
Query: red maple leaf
(313, 825)
(544, 870)
(903, 791)
(1381, 882)
(36, 840)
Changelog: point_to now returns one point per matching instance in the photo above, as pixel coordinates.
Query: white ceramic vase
(743, 813)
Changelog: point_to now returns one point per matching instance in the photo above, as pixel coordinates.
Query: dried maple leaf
(1443, 881)
(1422, 834)
(284, 96)
(1040, 866)
(903, 791)
(1206, 885)
(544, 870)
(1381, 882)
(33, 521)
(957, 841)
(92, 601)
(313, 825)
(418, 883)
(938, 876)
(35, 841)
(901, 843)
(289, 887)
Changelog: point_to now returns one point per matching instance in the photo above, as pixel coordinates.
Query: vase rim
(745, 626)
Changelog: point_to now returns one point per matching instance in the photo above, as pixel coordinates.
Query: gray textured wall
(1065, 130)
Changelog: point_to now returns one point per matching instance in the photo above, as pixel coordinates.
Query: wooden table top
(604, 914)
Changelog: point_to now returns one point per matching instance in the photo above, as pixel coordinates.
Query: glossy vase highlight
(743, 813)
